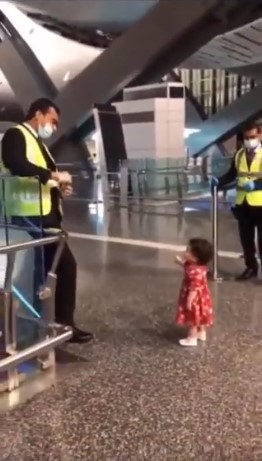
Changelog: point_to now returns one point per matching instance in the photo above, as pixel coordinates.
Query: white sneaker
(202, 335)
(188, 342)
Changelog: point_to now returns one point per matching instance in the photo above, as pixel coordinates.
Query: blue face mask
(45, 131)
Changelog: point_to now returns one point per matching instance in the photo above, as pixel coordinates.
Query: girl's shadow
(170, 333)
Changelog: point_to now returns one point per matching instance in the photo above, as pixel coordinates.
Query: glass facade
(215, 88)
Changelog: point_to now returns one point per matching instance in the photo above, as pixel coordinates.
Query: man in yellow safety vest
(34, 206)
(246, 170)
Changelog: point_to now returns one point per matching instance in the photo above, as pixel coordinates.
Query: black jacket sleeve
(230, 176)
(15, 160)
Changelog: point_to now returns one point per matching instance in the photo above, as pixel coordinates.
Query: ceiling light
(66, 76)
(189, 131)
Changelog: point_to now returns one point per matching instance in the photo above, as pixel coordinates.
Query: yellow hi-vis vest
(26, 196)
(245, 174)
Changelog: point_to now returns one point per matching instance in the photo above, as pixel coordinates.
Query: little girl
(195, 305)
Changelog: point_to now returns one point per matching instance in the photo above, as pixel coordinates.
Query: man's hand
(249, 186)
(66, 190)
(62, 177)
(65, 178)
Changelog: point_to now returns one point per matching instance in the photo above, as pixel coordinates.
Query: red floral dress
(195, 279)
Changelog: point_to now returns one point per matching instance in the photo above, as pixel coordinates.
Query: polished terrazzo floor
(154, 225)
(134, 394)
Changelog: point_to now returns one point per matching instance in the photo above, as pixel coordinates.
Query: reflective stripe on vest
(245, 174)
(25, 196)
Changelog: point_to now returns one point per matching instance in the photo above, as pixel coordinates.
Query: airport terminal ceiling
(107, 15)
(239, 49)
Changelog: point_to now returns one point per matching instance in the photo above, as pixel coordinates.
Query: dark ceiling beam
(231, 15)
(87, 126)
(160, 41)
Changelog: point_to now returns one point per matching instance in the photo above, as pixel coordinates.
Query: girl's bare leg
(202, 333)
(191, 340)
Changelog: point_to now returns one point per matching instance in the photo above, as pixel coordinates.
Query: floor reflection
(95, 219)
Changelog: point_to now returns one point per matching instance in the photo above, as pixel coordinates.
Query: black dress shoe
(80, 336)
(248, 274)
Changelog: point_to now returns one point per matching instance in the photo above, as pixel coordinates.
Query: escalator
(227, 122)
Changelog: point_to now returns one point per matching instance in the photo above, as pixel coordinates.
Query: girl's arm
(179, 261)
(195, 280)
(190, 299)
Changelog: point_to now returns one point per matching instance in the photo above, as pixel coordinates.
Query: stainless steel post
(179, 189)
(124, 184)
(214, 211)
(48, 303)
(257, 253)
(167, 185)
(59, 251)
(10, 321)
(104, 181)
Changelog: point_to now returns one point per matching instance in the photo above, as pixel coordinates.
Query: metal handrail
(32, 244)
(41, 347)
(9, 176)
(47, 345)
(214, 217)
(164, 173)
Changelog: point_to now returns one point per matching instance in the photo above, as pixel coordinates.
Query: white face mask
(251, 143)
(45, 131)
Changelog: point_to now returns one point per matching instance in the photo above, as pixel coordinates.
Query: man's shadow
(64, 356)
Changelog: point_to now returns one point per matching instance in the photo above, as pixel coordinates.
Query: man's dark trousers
(249, 219)
(65, 295)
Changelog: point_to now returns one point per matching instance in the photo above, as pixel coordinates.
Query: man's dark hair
(43, 105)
(252, 126)
(202, 250)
